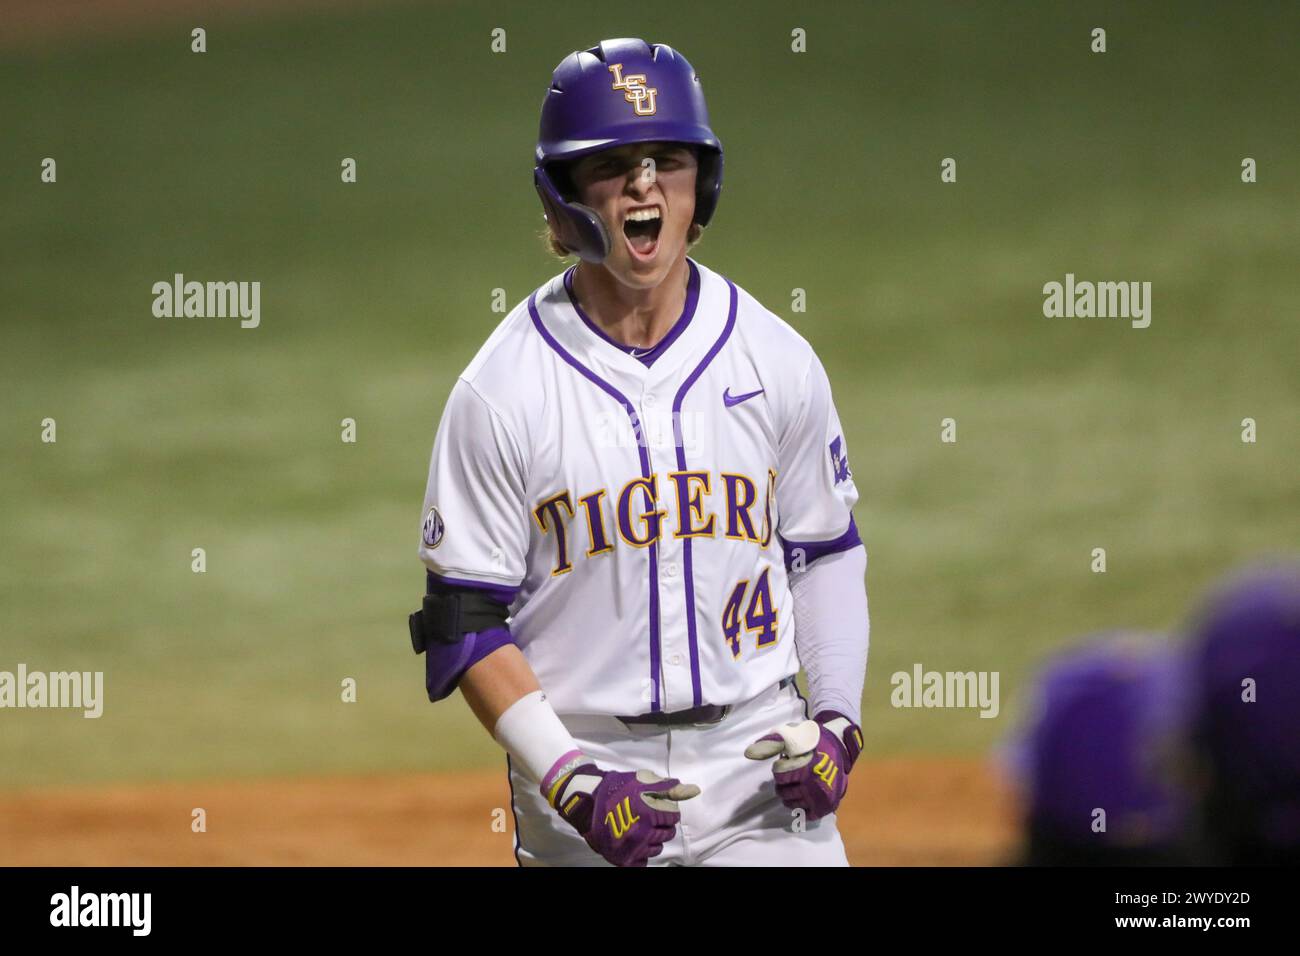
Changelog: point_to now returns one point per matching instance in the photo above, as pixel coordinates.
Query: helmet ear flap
(577, 227)
(708, 184)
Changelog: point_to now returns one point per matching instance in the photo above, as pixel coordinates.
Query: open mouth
(641, 228)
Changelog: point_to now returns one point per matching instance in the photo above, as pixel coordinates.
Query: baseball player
(638, 523)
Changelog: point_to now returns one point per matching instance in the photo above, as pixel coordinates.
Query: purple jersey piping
(681, 466)
(647, 358)
(645, 473)
(819, 549)
(503, 593)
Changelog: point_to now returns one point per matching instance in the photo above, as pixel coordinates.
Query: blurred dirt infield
(899, 812)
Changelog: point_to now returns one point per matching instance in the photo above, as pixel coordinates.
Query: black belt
(704, 714)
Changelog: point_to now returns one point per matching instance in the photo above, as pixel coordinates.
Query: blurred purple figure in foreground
(1245, 654)
(1099, 758)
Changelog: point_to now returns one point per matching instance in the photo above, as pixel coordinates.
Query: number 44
(760, 615)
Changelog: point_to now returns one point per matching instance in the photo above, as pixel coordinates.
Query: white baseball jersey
(633, 516)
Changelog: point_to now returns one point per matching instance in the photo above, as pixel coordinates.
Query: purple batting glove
(625, 817)
(816, 756)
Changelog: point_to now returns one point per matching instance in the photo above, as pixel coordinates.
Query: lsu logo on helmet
(634, 90)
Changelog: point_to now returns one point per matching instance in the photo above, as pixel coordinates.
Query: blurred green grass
(924, 301)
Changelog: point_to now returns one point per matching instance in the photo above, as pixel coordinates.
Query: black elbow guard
(448, 614)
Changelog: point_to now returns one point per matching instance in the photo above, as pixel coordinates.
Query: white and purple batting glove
(816, 756)
(625, 817)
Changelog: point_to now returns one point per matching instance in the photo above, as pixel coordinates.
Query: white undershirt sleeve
(832, 630)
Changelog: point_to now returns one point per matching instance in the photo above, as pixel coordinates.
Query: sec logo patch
(433, 529)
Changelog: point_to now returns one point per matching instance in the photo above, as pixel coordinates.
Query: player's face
(645, 193)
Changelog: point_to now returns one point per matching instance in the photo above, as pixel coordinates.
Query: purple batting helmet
(619, 92)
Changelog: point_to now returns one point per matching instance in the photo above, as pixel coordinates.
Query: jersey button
(670, 570)
(676, 659)
(649, 399)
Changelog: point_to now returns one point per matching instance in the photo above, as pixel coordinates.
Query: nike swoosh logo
(732, 400)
